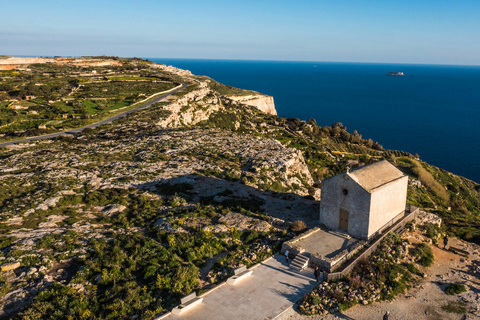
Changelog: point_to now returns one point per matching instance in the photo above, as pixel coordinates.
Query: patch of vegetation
(424, 254)
(459, 307)
(455, 288)
(298, 226)
(433, 231)
(427, 178)
(6, 242)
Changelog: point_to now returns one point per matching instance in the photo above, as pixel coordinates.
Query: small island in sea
(395, 73)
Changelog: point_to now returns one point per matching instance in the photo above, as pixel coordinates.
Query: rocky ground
(48, 223)
(197, 165)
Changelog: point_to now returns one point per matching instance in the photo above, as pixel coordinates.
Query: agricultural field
(46, 98)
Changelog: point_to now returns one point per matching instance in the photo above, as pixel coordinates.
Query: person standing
(386, 315)
(286, 255)
(316, 273)
(445, 242)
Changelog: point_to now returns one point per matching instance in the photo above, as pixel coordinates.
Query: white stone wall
(387, 202)
(356, 202)
(368, 212)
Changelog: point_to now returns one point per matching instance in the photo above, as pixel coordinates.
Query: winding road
(99, 123)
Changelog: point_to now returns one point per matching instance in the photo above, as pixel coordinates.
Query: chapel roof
(375, 175)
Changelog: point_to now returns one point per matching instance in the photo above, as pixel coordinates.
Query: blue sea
(434, 110)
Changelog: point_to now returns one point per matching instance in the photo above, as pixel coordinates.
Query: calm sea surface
(433, 110)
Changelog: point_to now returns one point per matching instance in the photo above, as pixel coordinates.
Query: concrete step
(300, 262)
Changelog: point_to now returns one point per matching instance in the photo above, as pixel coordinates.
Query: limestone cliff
(262, 102)
(192, 108)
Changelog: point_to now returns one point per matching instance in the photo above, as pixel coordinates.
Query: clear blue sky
(397, 31)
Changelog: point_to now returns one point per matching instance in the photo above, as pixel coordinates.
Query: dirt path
(208, 266)
(426, 299)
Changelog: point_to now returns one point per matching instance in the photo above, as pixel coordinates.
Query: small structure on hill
(364, 201)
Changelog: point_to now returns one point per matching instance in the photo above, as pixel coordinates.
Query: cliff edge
(261, 102)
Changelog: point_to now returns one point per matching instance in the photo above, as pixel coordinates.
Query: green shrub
(392, 239)
(455, 288)
(5, 286)
(433, 231)
(6, 241)
(71, 220)
(412, 268)
(316, 300)
(425, 254)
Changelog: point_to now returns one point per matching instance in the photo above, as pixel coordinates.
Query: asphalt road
(97, 124)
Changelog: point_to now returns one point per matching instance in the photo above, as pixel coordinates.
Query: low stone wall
(329, 264)
(399, 225)
(292, 245)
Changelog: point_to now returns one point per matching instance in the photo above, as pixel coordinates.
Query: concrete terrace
(327, 243)
(268, 292)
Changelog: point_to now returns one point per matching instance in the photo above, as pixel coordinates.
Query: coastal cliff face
(261, 102)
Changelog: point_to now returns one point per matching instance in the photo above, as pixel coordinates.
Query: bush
(355, 282)
(316, 300)
(455, 288)
(425, 254)
(338, 295)
(433, 231)
(298, 226)
(412, 268)
(392, 239)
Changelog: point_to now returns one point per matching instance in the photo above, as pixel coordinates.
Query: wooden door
(344, 220)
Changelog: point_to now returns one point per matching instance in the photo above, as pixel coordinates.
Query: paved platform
(327, 243)
(271, 289)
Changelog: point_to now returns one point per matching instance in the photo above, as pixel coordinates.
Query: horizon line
(253, 60)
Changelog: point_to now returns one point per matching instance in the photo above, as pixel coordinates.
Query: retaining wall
(396, 227)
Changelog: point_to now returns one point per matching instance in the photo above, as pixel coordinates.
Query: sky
(383, 31)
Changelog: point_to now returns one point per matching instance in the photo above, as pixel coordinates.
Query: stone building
(364, 201)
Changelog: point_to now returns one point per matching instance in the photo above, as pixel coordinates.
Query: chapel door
(344, 220)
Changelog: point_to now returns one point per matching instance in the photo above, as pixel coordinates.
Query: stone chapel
(364, 201)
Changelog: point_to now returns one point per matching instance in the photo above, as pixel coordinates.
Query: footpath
(272, 289)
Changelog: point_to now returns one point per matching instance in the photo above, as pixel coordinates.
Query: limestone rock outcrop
(183, 112)
(261, 102)
(10, 266)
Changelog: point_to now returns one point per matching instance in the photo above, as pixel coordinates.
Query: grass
(119, 105)
(428, 179)
(90, 107)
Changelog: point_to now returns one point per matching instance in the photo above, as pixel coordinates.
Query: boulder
(10, 266)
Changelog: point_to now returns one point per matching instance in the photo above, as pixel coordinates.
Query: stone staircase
(300, 262)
